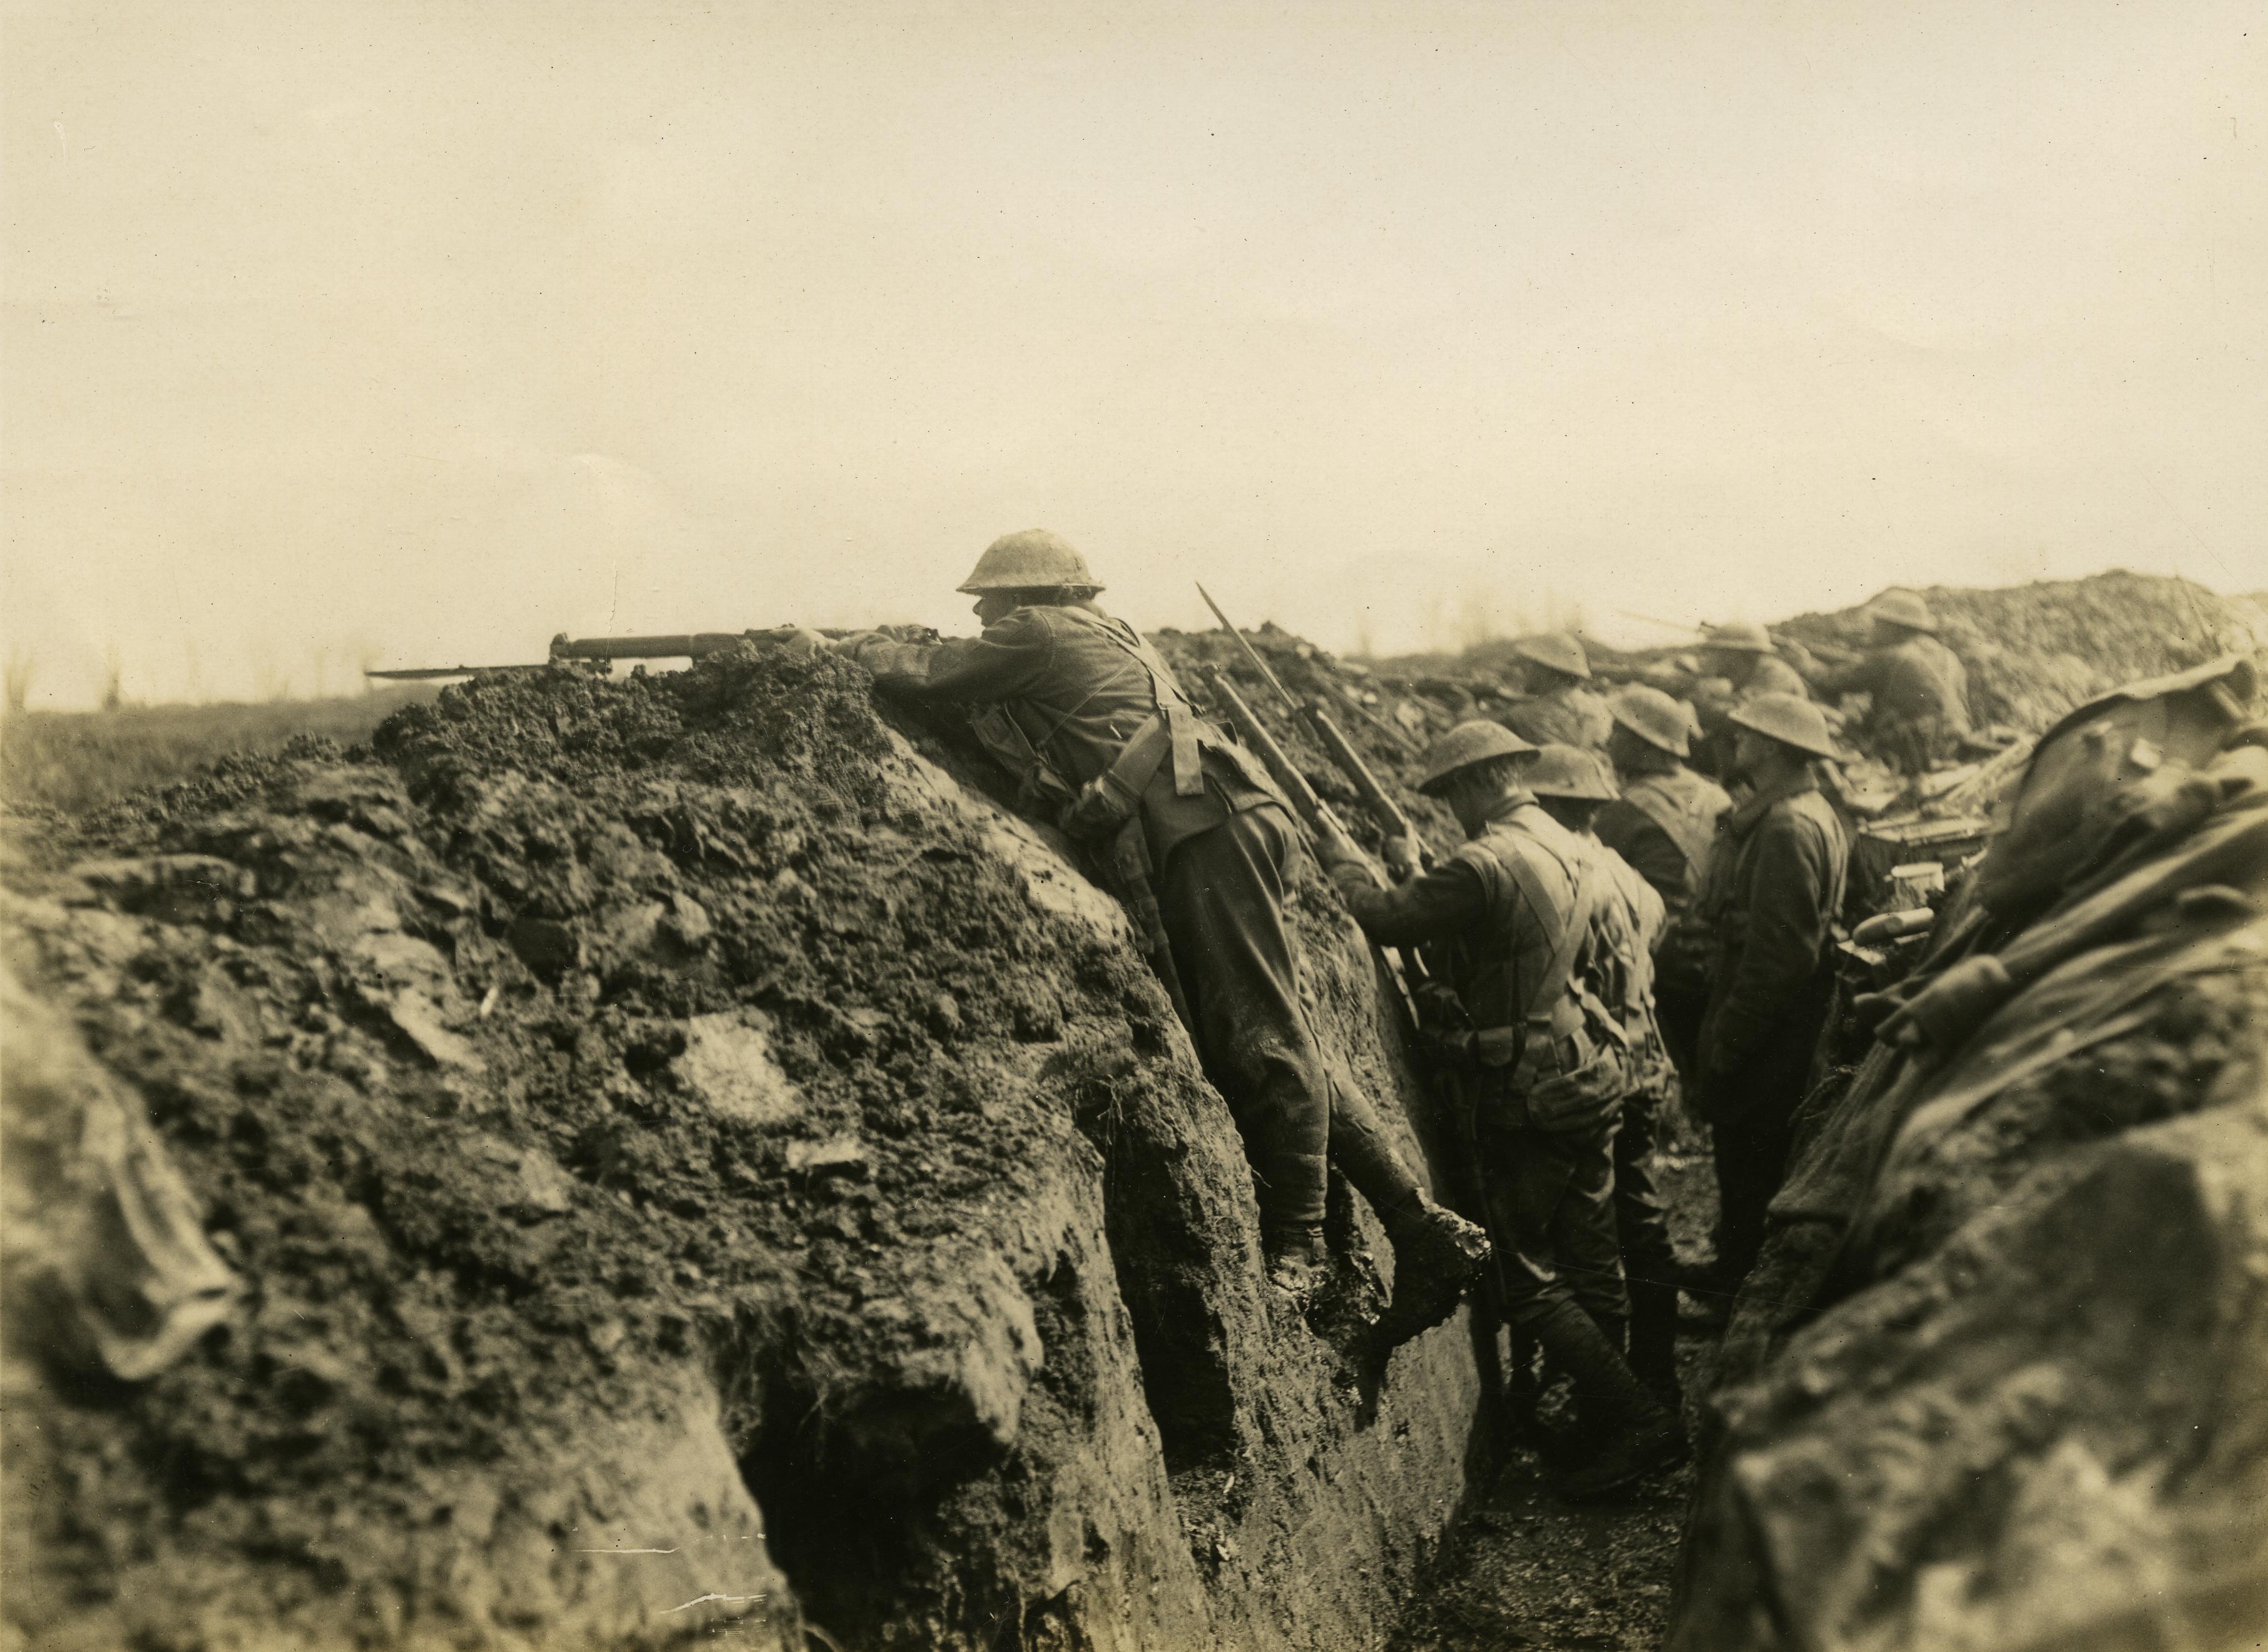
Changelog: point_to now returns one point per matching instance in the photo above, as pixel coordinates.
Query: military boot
(1634, 1433)
(1295, 1259)
(1439, 1256)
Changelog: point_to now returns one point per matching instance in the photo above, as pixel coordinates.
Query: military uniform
(1918, 705)
(1569, 714)
(1765, 674)
(1632, 927)
(1501, 917)
(1775, 883)
(1663, 825)
(1068, 694)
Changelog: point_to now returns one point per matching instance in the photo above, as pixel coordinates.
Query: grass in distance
(78, 760)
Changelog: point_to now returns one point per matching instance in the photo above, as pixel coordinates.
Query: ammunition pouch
(1040, 789)
(1584, 1100)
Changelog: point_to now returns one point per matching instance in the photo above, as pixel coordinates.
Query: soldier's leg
(1533, 1181)
(1222, 896)
(1751, 1160)
(1649, 1261)
(1438, 1255)
(1583, 1235)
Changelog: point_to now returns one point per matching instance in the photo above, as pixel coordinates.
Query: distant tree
(22, 664)
(113, 678)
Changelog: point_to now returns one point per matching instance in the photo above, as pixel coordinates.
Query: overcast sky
(434, 329)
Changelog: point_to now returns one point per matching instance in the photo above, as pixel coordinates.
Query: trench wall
(679, 1159)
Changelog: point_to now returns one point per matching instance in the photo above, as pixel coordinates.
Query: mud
(1997, 1380)
(692, 1161)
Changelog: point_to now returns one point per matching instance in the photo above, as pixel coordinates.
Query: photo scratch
(700, 1600)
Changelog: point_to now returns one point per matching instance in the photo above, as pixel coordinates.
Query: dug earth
(622, 1160)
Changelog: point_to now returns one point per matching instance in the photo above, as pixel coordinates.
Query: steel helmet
(1790, 719)
(1569, 771)
(1904, 608)
(1557, 649)
(1469, 743)
(1033, 559)
(1655, 717)
(1740, 637)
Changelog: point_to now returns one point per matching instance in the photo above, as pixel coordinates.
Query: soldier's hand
(1403, 857)
(1333, 846)
(797, 640)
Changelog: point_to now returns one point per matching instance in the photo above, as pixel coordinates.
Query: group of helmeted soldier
(1614, 925)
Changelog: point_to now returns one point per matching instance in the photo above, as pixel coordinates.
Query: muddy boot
(1636, 1434)
(1439, 1256)
(1295, 1260)
(1654, 1339)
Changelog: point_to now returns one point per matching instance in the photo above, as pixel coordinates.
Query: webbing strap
(1180, 723)
(1677, 825)
(1569, 944)
(1138, 759)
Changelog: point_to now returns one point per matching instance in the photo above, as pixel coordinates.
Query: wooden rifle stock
(1278, 763)
(1383, 809)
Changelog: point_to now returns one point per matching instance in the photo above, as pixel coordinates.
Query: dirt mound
(690, 1160)
(2035, 651)
(1998, 1380)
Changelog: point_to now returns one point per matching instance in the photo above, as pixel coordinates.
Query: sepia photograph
(1045, 825)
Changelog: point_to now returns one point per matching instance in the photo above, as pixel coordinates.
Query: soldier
(1559, 709)
(1101, 735)
(1775, 883)
(1510, 916)
(1575, 790)
(1919, 708)
(1662, 824)
(1743, 657)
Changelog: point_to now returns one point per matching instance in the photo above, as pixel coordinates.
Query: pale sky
(433, 329)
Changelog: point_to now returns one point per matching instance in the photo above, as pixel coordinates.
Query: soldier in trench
(1662, 823)
(1510, 918)
(1742, 656)
(1917, 688)
(1774, 883)
(1102, 739)
(1555, 674)
(1573, 787)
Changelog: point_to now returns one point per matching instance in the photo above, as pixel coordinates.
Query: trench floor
(1522, 1570)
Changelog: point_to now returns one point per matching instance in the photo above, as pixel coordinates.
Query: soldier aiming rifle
(1102, 738)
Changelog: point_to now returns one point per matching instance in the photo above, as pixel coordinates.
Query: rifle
(1311, 808)
(1409, 969)
(1304, 713)
(1388, 814)
(598, 652)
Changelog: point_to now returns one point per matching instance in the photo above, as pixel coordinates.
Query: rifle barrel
(1251, 653)
(1374, 797)
(436, 673)
(684, 645)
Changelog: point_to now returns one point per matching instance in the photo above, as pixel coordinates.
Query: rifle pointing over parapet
(599, 652)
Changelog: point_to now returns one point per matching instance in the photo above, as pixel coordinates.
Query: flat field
(77, 759)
